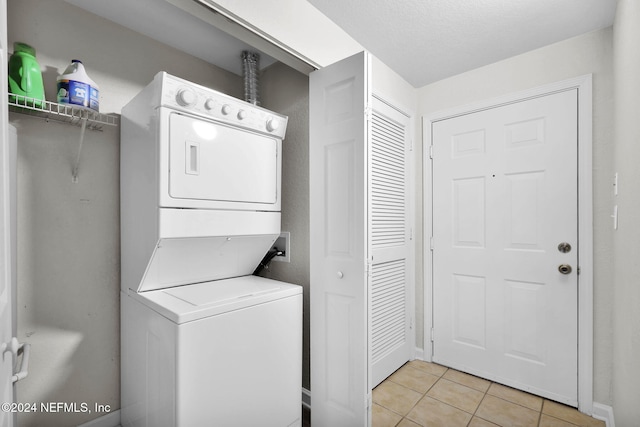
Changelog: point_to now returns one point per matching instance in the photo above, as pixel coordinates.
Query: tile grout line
(441, 377)
(423, 396)
(478, 407)
(484, 395)
(427, 391)
(540, 414)
(473, 414)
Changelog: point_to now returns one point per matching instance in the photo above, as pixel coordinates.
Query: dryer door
(210, 161)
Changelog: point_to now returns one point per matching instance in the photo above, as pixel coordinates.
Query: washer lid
(192, 302)
(223, 291)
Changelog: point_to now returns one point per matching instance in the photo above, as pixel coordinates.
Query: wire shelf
(61, 112)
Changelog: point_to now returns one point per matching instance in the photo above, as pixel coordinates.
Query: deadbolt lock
(564, 247)
(564, 268)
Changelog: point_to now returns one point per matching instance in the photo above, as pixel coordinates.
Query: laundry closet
(68, 232)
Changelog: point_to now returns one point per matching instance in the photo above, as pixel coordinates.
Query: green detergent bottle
(25, 77)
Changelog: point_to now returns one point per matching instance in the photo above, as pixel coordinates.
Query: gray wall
(287, 91)
(626, 288)
(589, 53)
(68, 233)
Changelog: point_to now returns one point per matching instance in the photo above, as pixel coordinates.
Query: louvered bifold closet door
(389, 235)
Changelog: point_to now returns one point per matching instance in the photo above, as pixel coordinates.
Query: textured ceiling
(428, 40)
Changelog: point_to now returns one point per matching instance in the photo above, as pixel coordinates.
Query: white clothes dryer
(204, 343)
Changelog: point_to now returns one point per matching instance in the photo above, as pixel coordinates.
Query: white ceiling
(176, 28)
(422, 40)
(428, 40)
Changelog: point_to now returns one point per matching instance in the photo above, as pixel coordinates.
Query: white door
(504, 215)
(8, 343)
(390, 236)
(6, 316)
(6, 301)
(340, 325)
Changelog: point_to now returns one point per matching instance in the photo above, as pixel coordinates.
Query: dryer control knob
(186, 97)
(209, 104)
(226, 109)
(272, 124)
(242, 114)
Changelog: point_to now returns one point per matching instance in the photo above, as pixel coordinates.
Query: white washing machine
(204, 343)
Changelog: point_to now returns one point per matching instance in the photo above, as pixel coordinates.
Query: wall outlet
(283, 243)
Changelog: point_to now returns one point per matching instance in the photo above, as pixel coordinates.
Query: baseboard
(112, 419)
(604, 413)
(419, 353)
(306, 398)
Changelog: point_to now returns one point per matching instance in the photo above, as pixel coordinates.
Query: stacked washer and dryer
(204, 343)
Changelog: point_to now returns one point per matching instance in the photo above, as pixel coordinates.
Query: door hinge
(431, 151)
(431, 243)
(431, 337)
(368, 267)
(368, 112)
(411, 233)
(410, 144)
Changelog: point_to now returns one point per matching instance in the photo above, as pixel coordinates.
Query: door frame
(7, 266)
(585, 218)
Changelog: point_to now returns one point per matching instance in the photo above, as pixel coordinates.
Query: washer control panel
(190, 97)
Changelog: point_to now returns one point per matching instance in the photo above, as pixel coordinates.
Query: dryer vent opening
(250, 72)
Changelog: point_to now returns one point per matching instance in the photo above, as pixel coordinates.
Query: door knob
(564, 247)
(564, 268)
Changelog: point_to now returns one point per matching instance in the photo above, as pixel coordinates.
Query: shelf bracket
(83, 128)
(64, 113)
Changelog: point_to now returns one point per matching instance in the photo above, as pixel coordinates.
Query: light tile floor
(426, 394)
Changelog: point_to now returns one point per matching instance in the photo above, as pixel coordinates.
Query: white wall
(69, 234)
(589, 53)
(626, 320)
